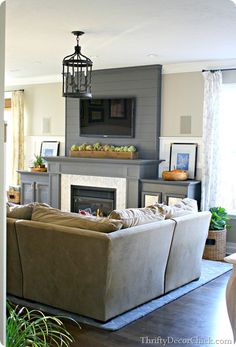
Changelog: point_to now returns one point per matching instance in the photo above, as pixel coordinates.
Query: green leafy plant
(31, 328)
(219, 218)
(38, 161)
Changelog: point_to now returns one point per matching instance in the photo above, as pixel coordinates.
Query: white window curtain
(18, 134)
(211, 140)
(227, 169)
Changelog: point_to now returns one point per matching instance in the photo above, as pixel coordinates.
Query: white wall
(2, 193)
(182, 95)
(44, 117)
(44, 101)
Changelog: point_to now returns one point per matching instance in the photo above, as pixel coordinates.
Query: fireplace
(114, 184)
(96, 200)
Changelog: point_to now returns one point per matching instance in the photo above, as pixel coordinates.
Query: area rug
(210, 271)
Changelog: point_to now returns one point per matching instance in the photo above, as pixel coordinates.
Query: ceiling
(117, 34)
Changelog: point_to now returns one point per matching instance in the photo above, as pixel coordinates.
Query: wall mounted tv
(107, 117)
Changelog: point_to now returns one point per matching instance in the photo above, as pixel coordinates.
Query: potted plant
(38, 164)
(30, 328)
(215, 248)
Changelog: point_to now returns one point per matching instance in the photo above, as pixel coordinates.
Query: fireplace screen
(97, 201)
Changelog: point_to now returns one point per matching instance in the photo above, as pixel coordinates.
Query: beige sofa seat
(14, 269)
(92, 273)
(184, 263)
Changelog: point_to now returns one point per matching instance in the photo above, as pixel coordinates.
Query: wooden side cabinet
(34, 187)
(169, 192)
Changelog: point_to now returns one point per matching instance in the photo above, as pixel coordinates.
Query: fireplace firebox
(97, 201)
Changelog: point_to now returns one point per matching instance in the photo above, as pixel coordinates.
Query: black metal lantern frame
(77, 70)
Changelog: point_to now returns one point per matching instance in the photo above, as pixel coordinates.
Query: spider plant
(31, 328)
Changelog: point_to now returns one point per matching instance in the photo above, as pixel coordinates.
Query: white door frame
(2, 185)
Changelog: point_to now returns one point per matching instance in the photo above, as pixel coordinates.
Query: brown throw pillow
(137, 216)
(55, 216)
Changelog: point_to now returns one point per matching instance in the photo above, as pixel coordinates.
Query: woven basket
(215, 248)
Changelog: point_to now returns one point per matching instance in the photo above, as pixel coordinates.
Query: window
(227, 148)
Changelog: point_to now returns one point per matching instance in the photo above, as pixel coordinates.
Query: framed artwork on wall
(183, 156)
(49, 148)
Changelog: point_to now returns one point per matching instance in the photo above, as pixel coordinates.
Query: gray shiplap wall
(143, 83)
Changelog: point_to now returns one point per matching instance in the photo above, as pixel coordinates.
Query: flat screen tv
(107, 117)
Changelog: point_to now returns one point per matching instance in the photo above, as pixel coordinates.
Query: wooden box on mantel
(104, 154)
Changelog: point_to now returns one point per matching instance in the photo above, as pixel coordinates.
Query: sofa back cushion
(55, 216)
(182, 208)
(136, 216)
(22, 211)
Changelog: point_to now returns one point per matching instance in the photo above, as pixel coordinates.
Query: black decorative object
(77, 69)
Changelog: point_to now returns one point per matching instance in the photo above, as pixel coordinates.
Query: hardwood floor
(196, 319)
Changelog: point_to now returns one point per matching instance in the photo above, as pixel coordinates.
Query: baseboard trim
(230, 247)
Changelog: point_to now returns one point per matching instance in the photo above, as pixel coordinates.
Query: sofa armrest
(14, 269)
(184, 264)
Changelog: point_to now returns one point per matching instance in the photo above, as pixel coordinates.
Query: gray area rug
(210, 271)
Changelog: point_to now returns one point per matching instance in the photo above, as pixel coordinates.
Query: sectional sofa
(102, 274)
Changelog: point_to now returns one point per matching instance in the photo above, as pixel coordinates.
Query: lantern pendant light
(77, 69)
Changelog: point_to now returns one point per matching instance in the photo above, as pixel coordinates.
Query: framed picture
(183, 156)
(96, 115)
(117, 108)
(49, 148)
(150, 198)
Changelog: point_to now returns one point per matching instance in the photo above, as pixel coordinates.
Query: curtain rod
(214, 70)
(15, 90)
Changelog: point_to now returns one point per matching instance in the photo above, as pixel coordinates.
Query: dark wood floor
(199, 315)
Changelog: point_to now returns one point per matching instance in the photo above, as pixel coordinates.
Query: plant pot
(215, 248)
(39, 168)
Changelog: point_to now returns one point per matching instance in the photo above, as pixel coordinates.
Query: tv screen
(107, 117)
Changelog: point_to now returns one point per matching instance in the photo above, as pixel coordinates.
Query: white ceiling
(118, 33)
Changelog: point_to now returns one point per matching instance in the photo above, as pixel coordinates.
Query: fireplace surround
(122, 175)
(91, 185)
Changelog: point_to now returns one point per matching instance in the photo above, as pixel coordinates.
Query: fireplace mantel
(131, 169)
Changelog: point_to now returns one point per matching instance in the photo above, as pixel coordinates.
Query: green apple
(74, 148)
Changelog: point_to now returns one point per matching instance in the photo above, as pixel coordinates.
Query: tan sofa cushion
(55, 216)
(182, 208)
(22, 211)
(137, 216)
